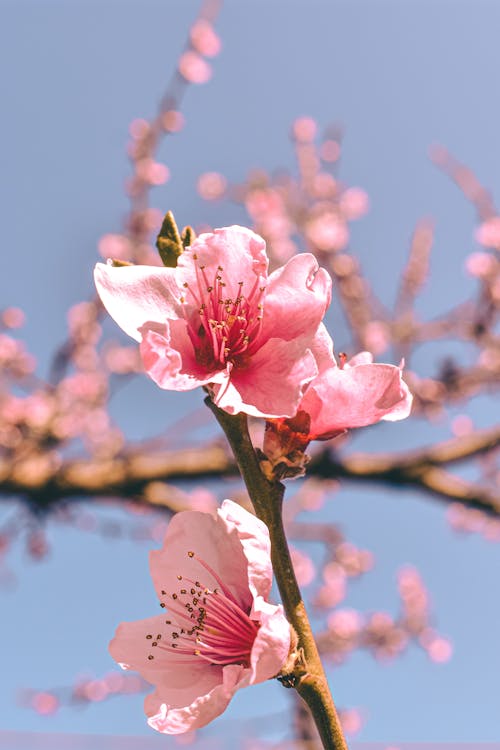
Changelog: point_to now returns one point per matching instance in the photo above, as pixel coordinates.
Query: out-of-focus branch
(44, 479)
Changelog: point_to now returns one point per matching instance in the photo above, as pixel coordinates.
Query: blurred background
(397, 79)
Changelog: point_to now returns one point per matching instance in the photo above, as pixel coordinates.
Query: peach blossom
(357, 394)
(218, 631)
(218, 320)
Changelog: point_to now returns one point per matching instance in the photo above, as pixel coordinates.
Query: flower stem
(267, 499)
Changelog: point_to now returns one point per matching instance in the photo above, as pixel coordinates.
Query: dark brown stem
(267, 499)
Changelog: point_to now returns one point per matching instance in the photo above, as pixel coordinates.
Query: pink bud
(194, 68)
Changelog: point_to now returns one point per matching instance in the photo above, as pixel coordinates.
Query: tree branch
(46, 479)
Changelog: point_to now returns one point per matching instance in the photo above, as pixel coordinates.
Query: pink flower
(218, 632)
(356, 394)
(217, 319)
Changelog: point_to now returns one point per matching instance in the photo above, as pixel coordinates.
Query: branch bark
(45, 479)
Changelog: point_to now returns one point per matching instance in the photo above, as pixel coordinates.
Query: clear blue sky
(399, 76)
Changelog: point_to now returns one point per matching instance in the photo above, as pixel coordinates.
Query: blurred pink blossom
(377, 336)
(351, 720)
(204, 39)
(488, 233)
(354, 203)
(211, 186)
(304, 129)
(303, 566)
(45, 703)
(114, 246)
(330, 150)
(328, 232)
(217, 319)
(480, 264)
(152, 172)
(172, 121)
(139, 128)
(194, 68)
(12, 317)
(345, 623)
(219, 633)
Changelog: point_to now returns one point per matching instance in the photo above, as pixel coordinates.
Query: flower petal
(355, 397)
(165, 364)
(135, 295)
(211, 540)
(254, 539)
(322, 349)
(180, 713)
(236, 253)
(297, 296)
(272, 644)
(131, 647)
(273, 382)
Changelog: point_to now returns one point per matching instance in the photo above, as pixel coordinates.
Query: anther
(190, 554)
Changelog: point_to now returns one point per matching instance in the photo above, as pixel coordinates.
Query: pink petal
(254, 539)
(356, 397)
(239, 252)
(207, 536)
(362, 358)
(273, 382)
(272, 644)
(135, 295)
(168, 357)
(131, 649)
(322, 349)
(296, 299)
(206, 704)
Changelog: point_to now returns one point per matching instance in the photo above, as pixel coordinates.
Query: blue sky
(399, 76)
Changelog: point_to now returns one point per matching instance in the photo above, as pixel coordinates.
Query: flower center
(205, 623)
(227, 327)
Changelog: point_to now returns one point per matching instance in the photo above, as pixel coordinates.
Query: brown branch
(44, 479)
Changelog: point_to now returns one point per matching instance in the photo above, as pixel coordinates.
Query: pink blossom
(356, 394)
(328, 232)
(172, 121)
(218, 320)
(211, 186)
(204, 39)
(488, 233)
(354, 203)
(304, 129)
(218, 632)
(194, 68)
